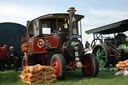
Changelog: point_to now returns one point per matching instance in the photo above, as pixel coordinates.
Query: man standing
(87, 45)
(3, 56)
(14, 55)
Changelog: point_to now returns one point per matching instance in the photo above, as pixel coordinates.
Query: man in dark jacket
(14, 55)
(87, 45)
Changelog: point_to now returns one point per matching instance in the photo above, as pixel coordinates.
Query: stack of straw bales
(123, 65)
(38, 74)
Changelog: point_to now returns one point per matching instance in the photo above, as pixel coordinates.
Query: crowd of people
(7, 58)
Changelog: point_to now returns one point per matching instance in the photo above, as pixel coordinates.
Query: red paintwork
(55, 65)
(87, 66)
(34, 48)
(71, 65)
(23, 38)
(30, 46)
(24, 64)
(52, 40)
(24, 46)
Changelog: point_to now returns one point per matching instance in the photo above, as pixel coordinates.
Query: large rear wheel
(102, 54)
(58, 62)
(90, 65)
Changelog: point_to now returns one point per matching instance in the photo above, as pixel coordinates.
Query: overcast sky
(97, 12)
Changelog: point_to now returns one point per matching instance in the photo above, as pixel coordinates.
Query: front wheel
(59, 64)
(90, 65)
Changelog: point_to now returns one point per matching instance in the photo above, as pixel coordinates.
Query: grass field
(73, 78)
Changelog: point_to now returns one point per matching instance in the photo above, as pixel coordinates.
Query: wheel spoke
(101, 56)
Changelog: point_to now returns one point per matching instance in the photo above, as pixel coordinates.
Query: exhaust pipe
(72, 22)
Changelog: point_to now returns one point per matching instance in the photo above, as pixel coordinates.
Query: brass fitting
(71, 9)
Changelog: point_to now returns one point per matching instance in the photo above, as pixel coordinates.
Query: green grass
(72, 78)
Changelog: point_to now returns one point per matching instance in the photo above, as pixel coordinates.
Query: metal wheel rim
(55, 65)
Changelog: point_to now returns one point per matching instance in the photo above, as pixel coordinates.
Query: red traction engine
(55, 40)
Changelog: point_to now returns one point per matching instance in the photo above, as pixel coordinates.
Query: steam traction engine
(54, 39)
(110, 43)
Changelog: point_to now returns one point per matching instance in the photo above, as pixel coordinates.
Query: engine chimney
(72, 21)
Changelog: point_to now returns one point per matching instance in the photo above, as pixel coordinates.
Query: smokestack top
(71, 9)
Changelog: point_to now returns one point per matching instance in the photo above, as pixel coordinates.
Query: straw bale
(37, 74)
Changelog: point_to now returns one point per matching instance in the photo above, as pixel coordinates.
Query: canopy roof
(58, 15)
(116, 27)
